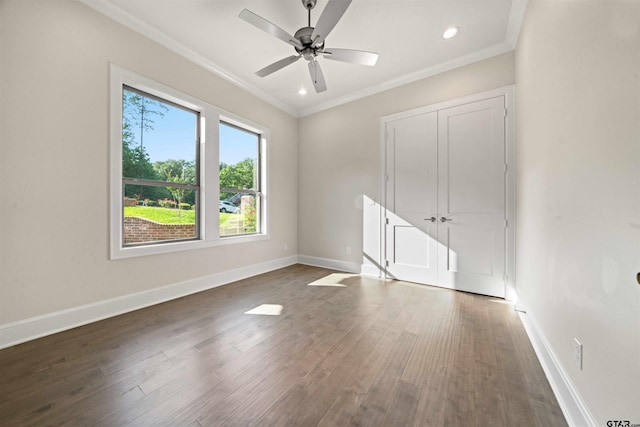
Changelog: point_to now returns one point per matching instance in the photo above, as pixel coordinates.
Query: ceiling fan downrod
(309, 4)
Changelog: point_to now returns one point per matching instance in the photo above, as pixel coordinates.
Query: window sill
(165, 248)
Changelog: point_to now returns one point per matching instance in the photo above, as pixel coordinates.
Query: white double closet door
(445, 197)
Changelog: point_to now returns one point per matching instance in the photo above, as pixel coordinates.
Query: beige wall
(54, 161)
(339, 154)
(578, 194)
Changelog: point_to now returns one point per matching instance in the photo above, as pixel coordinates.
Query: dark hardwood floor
(345, 350)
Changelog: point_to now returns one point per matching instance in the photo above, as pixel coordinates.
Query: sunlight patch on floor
(333, 280)
(266, 310)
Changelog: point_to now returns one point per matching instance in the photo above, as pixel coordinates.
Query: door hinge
(386, 263)
(506, 223)
(505, 167)
(505, 112)
(386, 221)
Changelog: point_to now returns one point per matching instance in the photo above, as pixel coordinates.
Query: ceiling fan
(309, 41)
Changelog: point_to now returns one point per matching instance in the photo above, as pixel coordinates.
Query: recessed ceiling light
(302, 91)
(450, 32)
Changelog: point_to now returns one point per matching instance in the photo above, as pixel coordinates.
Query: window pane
(159, 139)
(158, 218)
(239, 181)
(238, 158)
(241, 219)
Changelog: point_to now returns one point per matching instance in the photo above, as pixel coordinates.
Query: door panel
(411, 194)
(411, 246)
(412, 146)
(470, 155)
(473, 249)
(471, 186)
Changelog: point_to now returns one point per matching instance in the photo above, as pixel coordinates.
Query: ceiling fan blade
(353, 56)
(268, 27)
(331, 14)
(317, 77)
(277, 65)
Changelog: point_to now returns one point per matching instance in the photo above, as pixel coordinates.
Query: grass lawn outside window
(230, 223)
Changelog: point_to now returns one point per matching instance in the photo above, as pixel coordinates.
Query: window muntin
(239, 156)
(207, 170)
(159, 170)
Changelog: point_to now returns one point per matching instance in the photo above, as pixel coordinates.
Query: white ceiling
(406, 33)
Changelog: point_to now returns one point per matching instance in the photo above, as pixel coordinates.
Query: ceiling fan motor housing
(308, 51)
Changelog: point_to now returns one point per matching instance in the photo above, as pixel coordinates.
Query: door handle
(432, 219)
(443, 219)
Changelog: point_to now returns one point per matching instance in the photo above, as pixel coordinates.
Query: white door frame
(509, 94)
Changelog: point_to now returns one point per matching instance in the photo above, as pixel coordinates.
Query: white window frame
(210, 118)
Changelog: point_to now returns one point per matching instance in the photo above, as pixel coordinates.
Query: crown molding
(516, 16)
(480, 55)
(117, 14)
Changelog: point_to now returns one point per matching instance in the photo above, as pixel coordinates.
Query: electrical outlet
(348, 250)
(577, 353)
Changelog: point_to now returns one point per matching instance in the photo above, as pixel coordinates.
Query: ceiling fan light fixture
(450, 32)
(308, 41)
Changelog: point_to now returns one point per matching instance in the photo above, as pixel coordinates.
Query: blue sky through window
(237, 145)
(173, 137)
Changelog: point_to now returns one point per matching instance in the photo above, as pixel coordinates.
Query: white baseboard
(572, 405)
(332, 264)
(370, 270)
(518, 302)
(36, 327)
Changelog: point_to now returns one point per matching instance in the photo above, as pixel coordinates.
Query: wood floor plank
(348, 400)
(315, 391)
(489, 399)
(375, 403)
(402, 408)
(346, 350)
(431, 361)
(511, 378)
(461, 406)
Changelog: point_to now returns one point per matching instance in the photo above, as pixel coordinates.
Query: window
(184, 174)
(239, 181)
(159, 170)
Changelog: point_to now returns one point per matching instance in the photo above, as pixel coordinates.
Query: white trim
(382, 198)
(210, 117)
(40, 326)
(331, 264)
(508, 92)
(461, 61)
(370, 270)
(493, 93)
(114, 12)
(510, 192)
(514, 297)
(573, 407)
(516, 16)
